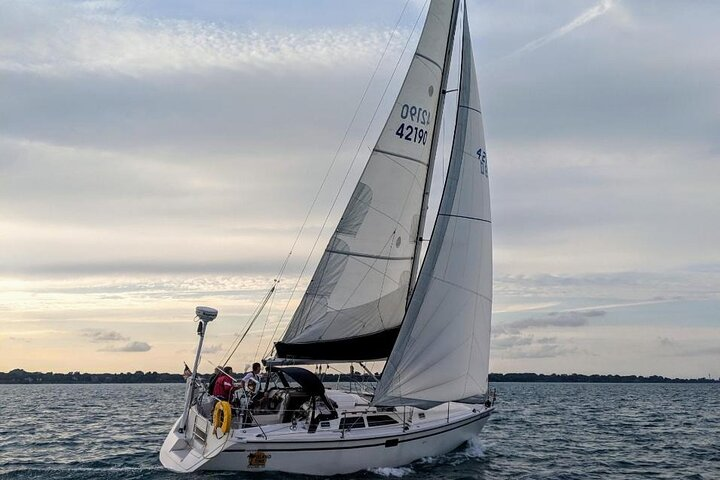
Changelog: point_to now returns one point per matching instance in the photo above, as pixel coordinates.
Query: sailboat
(370, 299)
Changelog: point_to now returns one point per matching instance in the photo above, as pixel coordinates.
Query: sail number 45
(483, 161)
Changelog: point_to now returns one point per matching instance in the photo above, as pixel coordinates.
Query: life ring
(222, 416)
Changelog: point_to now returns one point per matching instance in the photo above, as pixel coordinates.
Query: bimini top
(307, 380)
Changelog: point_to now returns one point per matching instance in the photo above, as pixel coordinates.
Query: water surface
(541, 431)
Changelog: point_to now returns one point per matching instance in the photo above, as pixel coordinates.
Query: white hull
(281, 449)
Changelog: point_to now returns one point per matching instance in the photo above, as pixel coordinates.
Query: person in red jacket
(223, 384)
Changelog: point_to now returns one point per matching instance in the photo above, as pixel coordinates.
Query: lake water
(541, 431)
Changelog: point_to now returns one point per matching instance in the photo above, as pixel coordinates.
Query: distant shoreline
(19, 376)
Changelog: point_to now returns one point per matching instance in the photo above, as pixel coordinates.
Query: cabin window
(324, 424)
(351, 422)
(378, 420)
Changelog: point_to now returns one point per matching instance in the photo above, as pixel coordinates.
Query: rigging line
(345, 136)
(450, 43)
(335, 157)
(442, 157)
(252, 321)
(356, 156)
(262, 335)
(352, 163)
(236, 341)
(382, 285)
(222, 367)
(421, 267)
(237, 335)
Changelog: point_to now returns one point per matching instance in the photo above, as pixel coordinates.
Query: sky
(159, 155)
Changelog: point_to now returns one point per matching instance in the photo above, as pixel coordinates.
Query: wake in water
(472, 449)
(396, 472)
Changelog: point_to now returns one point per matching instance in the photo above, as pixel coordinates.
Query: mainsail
(442, 350)
(357, 297)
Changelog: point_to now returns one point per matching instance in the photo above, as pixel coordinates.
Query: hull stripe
(252, 446)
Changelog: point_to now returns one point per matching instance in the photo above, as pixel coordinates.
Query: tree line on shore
(20, 376)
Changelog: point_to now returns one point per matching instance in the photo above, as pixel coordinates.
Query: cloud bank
(128, 347)
(154, 157)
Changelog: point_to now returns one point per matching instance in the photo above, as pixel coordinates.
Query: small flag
(187, 373)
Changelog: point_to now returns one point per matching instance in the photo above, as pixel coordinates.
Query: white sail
(442, 350)
(356, 299)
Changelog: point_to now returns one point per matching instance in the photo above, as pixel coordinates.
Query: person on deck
(223, 384)
(251, 380)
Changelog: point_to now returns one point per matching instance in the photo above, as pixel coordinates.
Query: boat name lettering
(412, 134)
(258, 459)
(416, 114)
(483, 161)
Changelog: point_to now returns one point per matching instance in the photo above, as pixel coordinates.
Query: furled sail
(442, 350)
(356, 299)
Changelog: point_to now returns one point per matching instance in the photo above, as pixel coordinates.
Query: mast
(433, 151)
(442, 351)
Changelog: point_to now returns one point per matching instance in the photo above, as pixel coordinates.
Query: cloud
(706, 351)
(63, 39)
(510, 341)
(554, 319)
(611, 290)
(99, 335)
(128, 347)
(515, 346)
(585, 17)
(699, 351)
(112, 338)
(216, 348)
(541, 351)
(19, 339)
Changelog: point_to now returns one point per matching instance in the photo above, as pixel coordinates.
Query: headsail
(442, 350)
(356, 299)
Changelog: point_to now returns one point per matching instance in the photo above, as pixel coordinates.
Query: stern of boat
(185, 451)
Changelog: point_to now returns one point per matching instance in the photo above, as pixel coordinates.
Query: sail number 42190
(412, 133)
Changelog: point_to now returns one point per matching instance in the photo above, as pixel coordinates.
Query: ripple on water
(541, 431)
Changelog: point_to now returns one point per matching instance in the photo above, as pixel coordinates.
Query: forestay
(442, 350)
(356, 299)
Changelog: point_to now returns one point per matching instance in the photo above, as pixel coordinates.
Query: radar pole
(204, 315)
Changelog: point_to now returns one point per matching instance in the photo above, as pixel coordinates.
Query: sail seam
(389, 217)
(464, 216)
(442, 280)
(400, 164)
(401, 156)
(337, 312)
(470, 108)
(418, 54)
(367, 255)
(372, 267)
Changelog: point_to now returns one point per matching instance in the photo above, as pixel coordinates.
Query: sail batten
(360, 287)
(442, 350)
